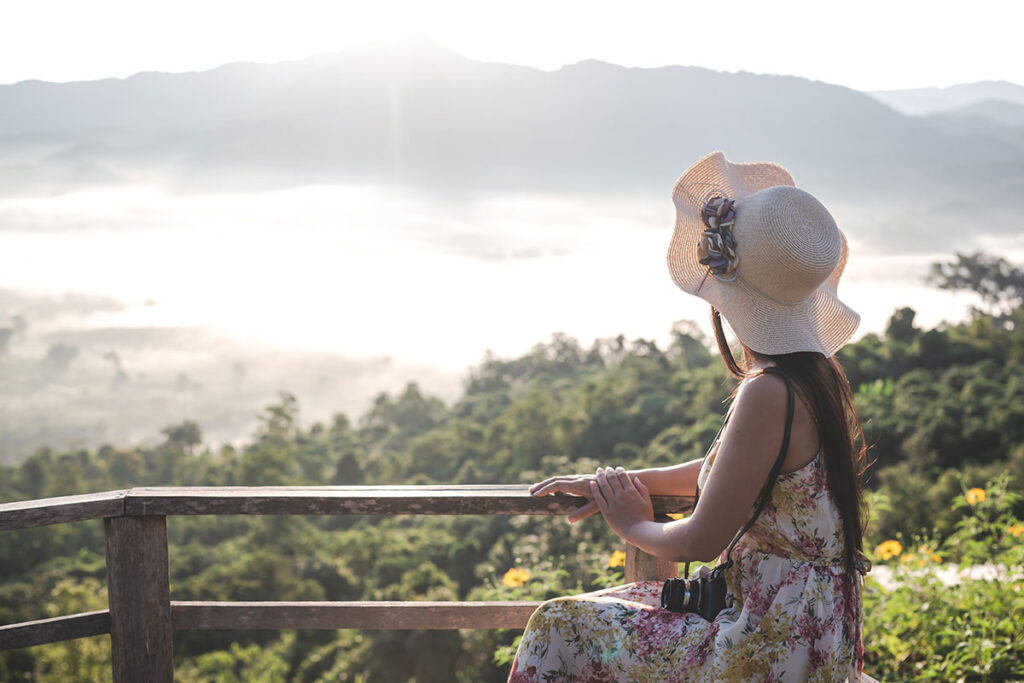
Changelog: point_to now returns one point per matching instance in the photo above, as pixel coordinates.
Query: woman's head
(765, 253)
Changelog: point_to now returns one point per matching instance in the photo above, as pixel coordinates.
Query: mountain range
(416, 114)
(920, 101)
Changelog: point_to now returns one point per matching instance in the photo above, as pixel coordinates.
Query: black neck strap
(772, 475)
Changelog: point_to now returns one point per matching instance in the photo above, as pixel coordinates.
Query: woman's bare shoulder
(760, 412)
(759, 409)
(762, 390)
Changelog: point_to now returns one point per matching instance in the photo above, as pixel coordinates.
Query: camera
(704, 595)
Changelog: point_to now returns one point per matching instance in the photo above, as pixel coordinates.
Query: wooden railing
(141, 617)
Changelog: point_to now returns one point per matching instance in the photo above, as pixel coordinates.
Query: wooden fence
(142, 617)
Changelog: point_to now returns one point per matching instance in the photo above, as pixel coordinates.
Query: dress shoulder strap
(776, 468)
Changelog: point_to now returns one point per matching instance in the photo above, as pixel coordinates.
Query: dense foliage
(943, 409)
(950, 608)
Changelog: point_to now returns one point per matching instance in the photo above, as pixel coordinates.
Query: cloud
(38, 308)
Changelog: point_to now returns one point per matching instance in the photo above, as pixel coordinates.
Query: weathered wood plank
(55, 630)
(300, 500)
(45, 511)
(363, 615)
(140, 604)
(643, 567)
(361, 500)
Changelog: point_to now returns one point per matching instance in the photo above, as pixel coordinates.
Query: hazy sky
(869, 44)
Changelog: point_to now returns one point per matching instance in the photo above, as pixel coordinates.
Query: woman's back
(790, 614)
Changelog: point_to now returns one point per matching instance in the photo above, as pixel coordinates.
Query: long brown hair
(823, 383)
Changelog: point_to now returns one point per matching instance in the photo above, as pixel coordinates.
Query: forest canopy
(941, 408)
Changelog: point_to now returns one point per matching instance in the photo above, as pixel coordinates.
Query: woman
(767, 257)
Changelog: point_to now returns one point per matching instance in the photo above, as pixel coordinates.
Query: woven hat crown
(766, 254)
(788, 242)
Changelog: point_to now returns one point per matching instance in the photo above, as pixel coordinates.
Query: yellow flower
(617, 559)
(514, 578)
(937, 559)
(1016, 530)
(975, 495)
(888, 550)
(675, 515)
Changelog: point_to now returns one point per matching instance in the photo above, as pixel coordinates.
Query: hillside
(943, 409)
(415, 113)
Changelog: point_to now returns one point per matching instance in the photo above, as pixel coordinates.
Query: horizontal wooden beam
(496, 499)
(233, 616)
(361, 500)
(45, 511)
(43, 631)
(291, 615)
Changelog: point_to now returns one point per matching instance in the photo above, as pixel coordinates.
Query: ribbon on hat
(716, 247)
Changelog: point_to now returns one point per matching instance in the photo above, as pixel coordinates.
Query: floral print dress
(789, 616)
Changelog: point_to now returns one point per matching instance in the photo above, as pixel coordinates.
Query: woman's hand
(623, 500)
(576, 485)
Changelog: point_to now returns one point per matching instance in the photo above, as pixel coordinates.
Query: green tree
(186, 435)
(82, 659)
(999, 283)
(901, 325)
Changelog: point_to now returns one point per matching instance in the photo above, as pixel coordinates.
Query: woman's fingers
(624, 483)
(583, 511)
(598, 495)
(545, 488)
(608, 481)
(575, 486)
(612, 479)
(602, 488)
(547, 482)
(641, 487)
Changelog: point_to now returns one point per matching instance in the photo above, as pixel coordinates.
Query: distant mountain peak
(415, 45)
(591, 63)
(920, 101)
(958, 87)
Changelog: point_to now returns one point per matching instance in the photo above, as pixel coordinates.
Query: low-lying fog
(123, 311)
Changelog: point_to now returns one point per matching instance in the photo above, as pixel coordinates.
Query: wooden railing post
(138, 591)
(643, 567)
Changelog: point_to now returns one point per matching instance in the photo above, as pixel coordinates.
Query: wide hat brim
(820, 322)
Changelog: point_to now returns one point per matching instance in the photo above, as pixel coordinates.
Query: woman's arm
(750, 444)
(677, 480)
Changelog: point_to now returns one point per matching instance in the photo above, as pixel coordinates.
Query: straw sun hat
(763, 252)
